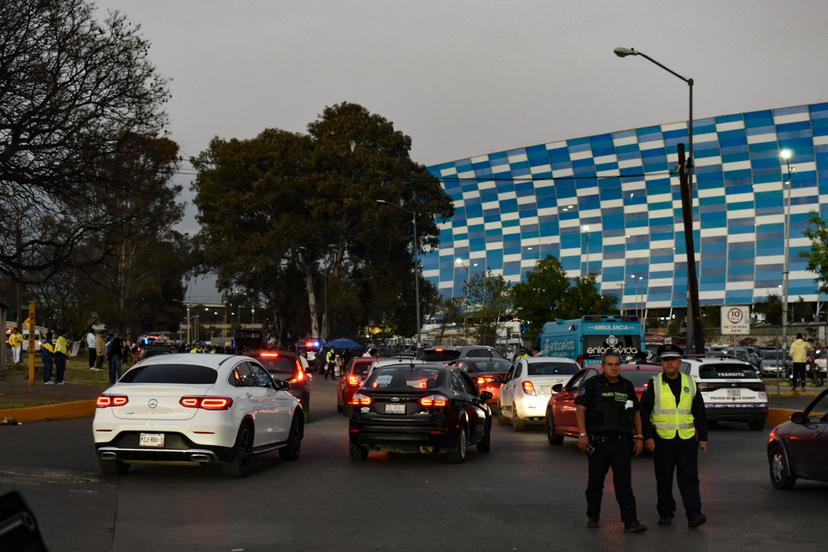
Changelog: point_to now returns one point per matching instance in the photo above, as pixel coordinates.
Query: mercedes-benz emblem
(395, 399)
(152, 403)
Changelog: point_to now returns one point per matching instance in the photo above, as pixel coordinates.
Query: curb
(777, 416)
(57, 411)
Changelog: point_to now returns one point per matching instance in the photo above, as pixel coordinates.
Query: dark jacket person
(610, 432)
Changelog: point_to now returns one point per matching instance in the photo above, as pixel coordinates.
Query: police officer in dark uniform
(610, 432)
(675, 427)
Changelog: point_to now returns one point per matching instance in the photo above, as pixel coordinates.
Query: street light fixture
(416, 262)
(786, 155)
(695, 335)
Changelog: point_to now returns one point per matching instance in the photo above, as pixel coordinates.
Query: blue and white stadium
(610, 204)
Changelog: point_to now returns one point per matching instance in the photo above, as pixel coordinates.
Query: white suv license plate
(734, 392)
(154, 440)
(395, 409)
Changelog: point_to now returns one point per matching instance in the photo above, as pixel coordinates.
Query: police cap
(669, 351)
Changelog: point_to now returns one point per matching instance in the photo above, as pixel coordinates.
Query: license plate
(395, 409)
(734, 392)
(155, 440)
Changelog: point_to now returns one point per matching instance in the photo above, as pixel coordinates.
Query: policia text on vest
(675, 427)
(609, 423)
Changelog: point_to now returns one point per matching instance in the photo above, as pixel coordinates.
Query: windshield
(279, 365)
(595, 346)
(639, 378)
(440, 355)
(170, 373)
(553, 368)
(486, 365)
(772, 355)
(726, 371)
(406, 378)
(361, 368)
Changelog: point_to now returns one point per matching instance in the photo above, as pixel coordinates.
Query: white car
(199, 409)
(527, 387)
(732, 390)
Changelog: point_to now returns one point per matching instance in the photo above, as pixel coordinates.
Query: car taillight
(269, 355)
(105, 401)
(483, 380)
(360, 400)
(299, 377)
(353, 381)
(528, 387)
(434, 401)
(207, 403)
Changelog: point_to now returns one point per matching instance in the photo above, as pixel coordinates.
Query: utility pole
(695, 333)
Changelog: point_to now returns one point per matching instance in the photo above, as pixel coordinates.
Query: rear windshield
(279, 365)
(406, 378)
(773, 355)
(152, 351)
(442, 355)
(639, 378)
(361, 368)
(553, 368)
(170, 373)
(487, 365)
(726, 371)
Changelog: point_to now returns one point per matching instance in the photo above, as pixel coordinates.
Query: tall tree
(817, 256)
(537, 300)
(583, 298)
(489, 300)
(70, 87)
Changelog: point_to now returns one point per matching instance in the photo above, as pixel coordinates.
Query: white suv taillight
(105, 401)
(207, 403)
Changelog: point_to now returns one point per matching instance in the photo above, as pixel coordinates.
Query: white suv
(731, 389)
(527, 387)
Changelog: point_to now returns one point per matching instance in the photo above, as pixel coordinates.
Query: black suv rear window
(553, 368)
(726, 371)
(406, 378)
(440, 355)
(487, 365)
(170, 373)
(279, 365)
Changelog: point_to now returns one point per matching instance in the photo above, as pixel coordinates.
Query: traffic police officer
(610, 432)
(675, 427)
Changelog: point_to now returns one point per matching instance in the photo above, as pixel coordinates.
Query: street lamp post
(585, 232)
(695, 332)
(786, 155)
(459, 262)
(416, 263)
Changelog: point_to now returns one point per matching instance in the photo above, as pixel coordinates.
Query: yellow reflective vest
(62, 345)
(47, 346)
(668, 418)
(16, 340)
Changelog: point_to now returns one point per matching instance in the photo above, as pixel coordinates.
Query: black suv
(285, 365)
(450, 354)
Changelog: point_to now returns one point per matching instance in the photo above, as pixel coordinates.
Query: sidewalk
(81, 384)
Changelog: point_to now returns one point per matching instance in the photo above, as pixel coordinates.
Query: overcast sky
(469, 77)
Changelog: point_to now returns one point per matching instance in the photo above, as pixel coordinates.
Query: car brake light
(434, 401)
(300, 376)
(354, 381)
(105, 401)
(269, 355)
(483, 380)
(207, 403)
(438, 350)
(528, 387)
(360, 400)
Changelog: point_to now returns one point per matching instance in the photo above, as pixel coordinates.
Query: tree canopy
(296, 213)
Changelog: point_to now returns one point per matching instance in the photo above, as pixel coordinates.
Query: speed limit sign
(735, 320)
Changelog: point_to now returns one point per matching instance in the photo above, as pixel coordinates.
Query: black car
(285, 365)
(799, 448)
(426, 407)
(449, 354)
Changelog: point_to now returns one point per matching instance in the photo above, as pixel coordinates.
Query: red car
(487, 373)
(350, 381)
(560, 411)
(799, 448)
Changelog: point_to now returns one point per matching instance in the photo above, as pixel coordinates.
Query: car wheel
(358, 454)
(340, 403)
(457, 455)
(551, 433)
(501, 419)
(485, 445)
(113, 467)
(239, 466)
(306, 409)
(293, 448)
(780, 472)
(756, 425)
(346, 410)
(517, 423)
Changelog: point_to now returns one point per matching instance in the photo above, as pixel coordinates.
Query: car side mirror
(485, 396)
(557, 388)
(281, 385)
(798, 417)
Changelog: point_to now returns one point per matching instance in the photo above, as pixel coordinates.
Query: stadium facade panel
(610, 204)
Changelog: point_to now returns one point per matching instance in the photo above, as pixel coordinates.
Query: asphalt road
(525, 495)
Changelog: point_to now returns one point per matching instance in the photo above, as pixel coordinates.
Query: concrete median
(56, 411)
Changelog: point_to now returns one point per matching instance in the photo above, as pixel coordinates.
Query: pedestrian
(303, 360)
(675, 427)
(799, 357)
(330, 362)
(114, 355)
(609, 426)
(16, 344)
(61, 353)
(47, 353)
(522, 354)
(536, 351)
(92, 348)
(100, 350)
